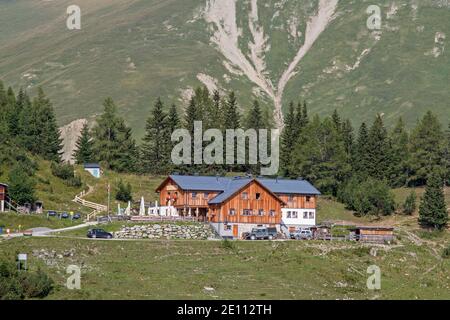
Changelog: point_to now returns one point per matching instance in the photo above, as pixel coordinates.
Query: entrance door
(235, 230)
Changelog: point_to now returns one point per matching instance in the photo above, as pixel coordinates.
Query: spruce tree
(433, 210)
(113, 142)
(232, 117)
(348, 138)
(361, 158)
(379, 150)
(156, 143)
(400, 155)
(254, 118)
(288, 140)
(427, 149)
(84, 151)
(48, 134)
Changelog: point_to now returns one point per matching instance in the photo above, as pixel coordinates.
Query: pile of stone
(51, 257)
(166, 231)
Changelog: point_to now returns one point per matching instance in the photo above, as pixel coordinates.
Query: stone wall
(166, 231)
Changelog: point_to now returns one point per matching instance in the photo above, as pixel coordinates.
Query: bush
(15, 285)
(62, 171)
(21, 186)
(124, 193)
(370, 196)
(446, 253)
(409, 207)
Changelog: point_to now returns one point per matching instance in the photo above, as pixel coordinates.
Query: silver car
(303, 235)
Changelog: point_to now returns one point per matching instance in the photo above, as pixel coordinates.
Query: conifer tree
(288, 140)
(113, 142)
(232, 117)
(156, 143)
(84, 151)
(433, 210)
(361, 157)
(348, 138)
(48, 133)
(400, 155)
(254, 117)
(379, 150)
(427, 149)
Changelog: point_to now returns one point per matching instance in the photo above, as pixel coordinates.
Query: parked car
(28, 233)
(99, 233)
(303, 235)
(64, 215)
(260, 234)
(273, 232)
(52, 213)
(76, 216)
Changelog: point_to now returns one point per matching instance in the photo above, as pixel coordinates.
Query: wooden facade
(252, 204)
(298, 201)
(247, 201)
(3, 191)
(169, 191)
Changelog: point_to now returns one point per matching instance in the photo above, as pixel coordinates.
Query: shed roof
(91, 166)
(3, 185)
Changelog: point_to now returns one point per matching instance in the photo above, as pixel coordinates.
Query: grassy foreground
(411, 269)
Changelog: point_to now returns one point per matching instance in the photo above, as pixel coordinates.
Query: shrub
(370, 196)
(124, 192)
(15, 285)
(410, 204)
(21, 186)
(446, 253)
(62, 171)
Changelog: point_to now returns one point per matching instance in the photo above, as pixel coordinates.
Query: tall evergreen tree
(427, 149)
(400, 155)
(84, 151)
(379, 150)
(433, 210)
(254, 117)
(348, 137)
(288, 140)
(173, 120)
(156, 143)
(48, 134)
(232, 117)
(319, 156)
(361, 158)
(113, 143)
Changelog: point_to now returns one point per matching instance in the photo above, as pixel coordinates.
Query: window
(205, 195)
(247, 212)
(311, 215)
(261, 212)
(294, 214)
(194, 195)
(308, 198)
(305, 215)
(227, 227)
(232, 212)
(258, 196)
(288, 214)
(272, 213)
(244, 195)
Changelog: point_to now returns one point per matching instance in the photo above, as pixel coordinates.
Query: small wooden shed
(3, 196)
(376, 234)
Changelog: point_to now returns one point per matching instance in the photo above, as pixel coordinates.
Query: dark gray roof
(201, 183)
(283, 186)
(91, 165)
(228, 186)
(233, 186)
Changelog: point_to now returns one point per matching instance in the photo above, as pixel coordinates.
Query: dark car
(76, 216)
(259, 234)
(99, 233)
(273, 232)
(52, 213)
(64, 215)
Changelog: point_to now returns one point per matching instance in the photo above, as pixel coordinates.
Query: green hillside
(136, 50)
